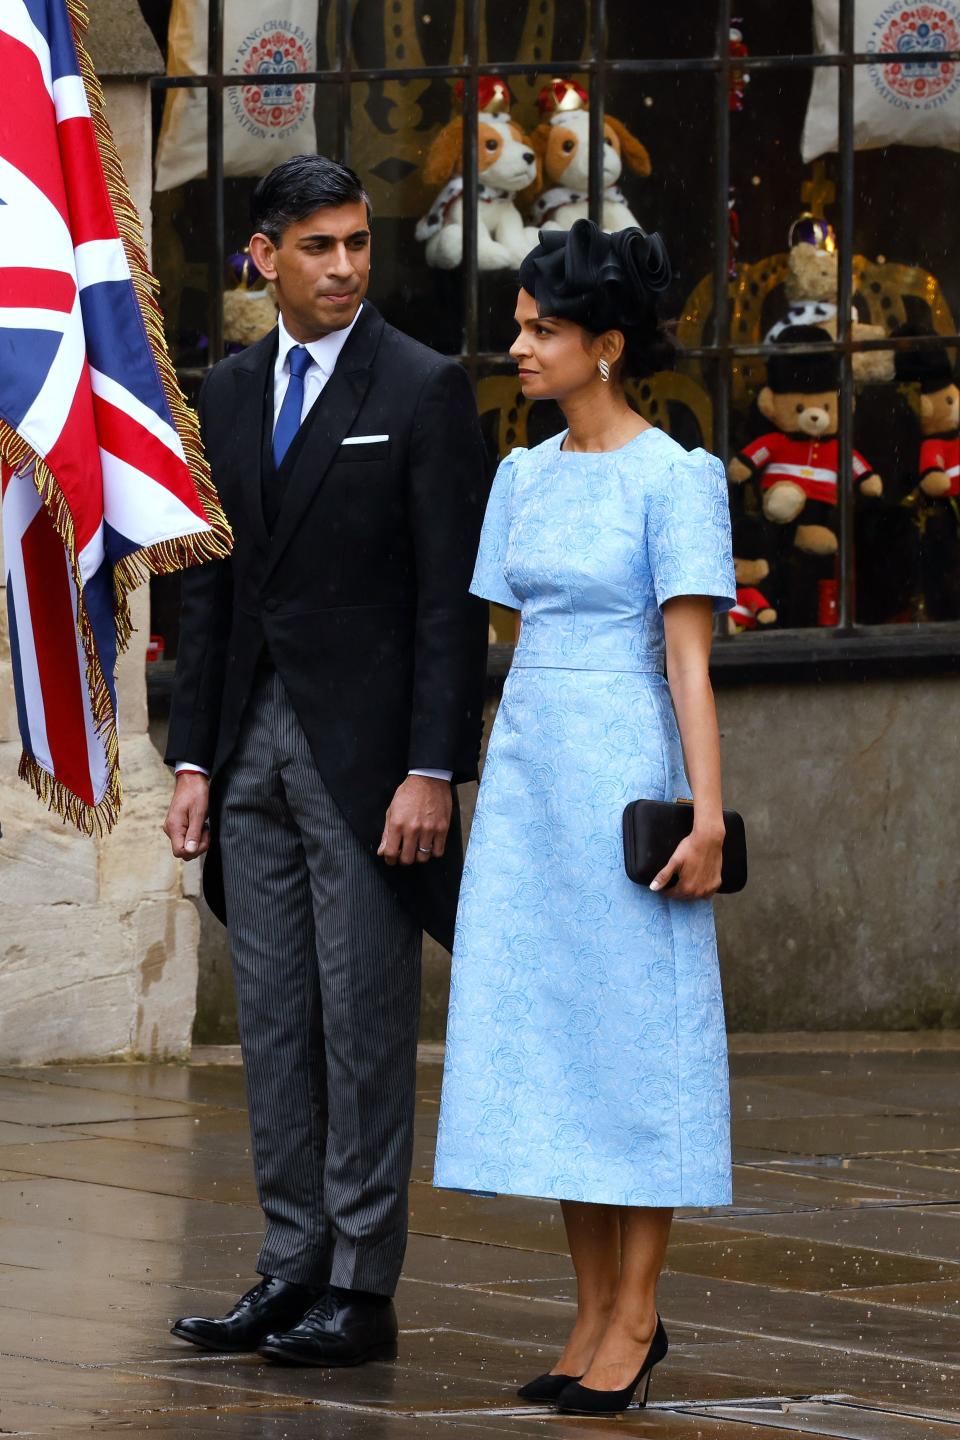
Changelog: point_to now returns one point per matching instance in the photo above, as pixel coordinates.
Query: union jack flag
(102, 473)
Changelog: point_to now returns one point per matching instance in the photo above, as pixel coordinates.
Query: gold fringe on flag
(169, 555)
(100, 817)
(89, 819)
(159, 559)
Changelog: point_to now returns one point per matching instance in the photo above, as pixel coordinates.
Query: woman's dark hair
(604, 282)
(302, 184)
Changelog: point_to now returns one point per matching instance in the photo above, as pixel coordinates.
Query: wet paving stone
(760, 1098)
(853, 1134)
(824, 1302)
(208, 1132)
(932, 1298)
(914, 1232)
(807, 1265)
(160, 1170)
(886, 1179)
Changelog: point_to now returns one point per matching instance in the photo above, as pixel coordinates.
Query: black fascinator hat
(600, 281)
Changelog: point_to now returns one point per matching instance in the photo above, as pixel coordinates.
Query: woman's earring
(604, 367)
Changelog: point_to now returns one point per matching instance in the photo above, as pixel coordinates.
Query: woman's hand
(697, 864)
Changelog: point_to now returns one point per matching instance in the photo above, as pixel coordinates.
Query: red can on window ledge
(156, 646)
(827, 607)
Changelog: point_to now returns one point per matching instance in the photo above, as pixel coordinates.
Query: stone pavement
(825, 1302)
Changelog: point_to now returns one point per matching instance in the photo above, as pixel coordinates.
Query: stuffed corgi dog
(507, 165)
(562, 142)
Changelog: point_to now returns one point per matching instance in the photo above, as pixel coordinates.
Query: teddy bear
(752, 569)
(562, 141)
(935, 500)
(751, 611)
(939, 468)
(249, 309)
(796, 461)
(507, 165)
(813, 278)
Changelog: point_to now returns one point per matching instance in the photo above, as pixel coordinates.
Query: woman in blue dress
(586, 1051)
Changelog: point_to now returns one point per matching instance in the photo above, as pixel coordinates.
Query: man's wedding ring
(424, 850)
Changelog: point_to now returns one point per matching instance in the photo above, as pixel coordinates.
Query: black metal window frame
(842, 650)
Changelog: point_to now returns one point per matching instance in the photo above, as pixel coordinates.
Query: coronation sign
(265, 121)
(897, 100)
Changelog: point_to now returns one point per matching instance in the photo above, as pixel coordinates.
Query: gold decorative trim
(156, 559)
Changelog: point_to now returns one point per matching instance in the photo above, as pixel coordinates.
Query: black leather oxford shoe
(271, 1305)
(340, 1330)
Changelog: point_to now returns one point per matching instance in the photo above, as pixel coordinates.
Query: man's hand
(417, 821)
(185, 825)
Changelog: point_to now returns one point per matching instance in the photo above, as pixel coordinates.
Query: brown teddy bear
(812, 283)
(939, 414)
(507, 165)
(752, 611)
(936, 499)
(752, 570)
(562, 142)
(249, 310)
(796, 462)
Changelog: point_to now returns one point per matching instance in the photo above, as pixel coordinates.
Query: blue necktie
(288, 421)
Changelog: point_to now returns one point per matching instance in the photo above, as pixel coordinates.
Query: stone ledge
(829, 1042)
(833, 1042)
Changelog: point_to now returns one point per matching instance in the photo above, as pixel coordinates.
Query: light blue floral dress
(586, 1051)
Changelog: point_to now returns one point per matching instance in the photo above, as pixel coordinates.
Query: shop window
(790, 191)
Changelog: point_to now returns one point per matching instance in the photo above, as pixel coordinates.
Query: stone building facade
(98, 946)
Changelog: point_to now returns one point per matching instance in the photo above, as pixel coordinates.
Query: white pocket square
(364, 439)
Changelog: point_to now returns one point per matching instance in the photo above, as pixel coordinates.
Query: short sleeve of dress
(489, 581)
(688, 531)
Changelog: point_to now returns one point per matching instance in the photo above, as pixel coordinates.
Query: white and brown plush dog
(507, 165)
(563, 144)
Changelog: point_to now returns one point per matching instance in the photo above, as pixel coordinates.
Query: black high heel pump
(577, 1399)
(546, 1387)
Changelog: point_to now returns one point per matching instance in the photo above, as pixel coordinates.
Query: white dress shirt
(325, 353)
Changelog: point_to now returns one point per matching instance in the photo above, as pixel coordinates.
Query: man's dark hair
(302, 184)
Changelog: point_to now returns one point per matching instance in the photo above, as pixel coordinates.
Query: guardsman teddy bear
(936, 499)
(753, 610)
(939, 467)
(562, 142)
(797, 460)
(813, 279)
(507, 165)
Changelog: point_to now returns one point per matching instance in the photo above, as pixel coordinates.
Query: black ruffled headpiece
(600, 281)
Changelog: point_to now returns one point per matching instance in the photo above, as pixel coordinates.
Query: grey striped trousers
(327, 971)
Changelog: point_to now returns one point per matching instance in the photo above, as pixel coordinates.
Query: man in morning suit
(329, 689)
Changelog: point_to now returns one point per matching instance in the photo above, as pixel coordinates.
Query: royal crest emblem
(902, 31)
(277, 103)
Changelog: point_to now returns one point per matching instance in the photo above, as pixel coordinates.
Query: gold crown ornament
(562, 96)
(807, 229)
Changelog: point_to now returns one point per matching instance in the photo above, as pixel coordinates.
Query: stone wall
(98, 956)
(850, 919)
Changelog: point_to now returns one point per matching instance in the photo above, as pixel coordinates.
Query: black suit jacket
(360, 595)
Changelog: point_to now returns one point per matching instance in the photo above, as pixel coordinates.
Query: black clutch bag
(652, 830)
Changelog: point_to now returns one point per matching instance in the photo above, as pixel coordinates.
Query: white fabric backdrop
(894, 103)
(263, 123)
